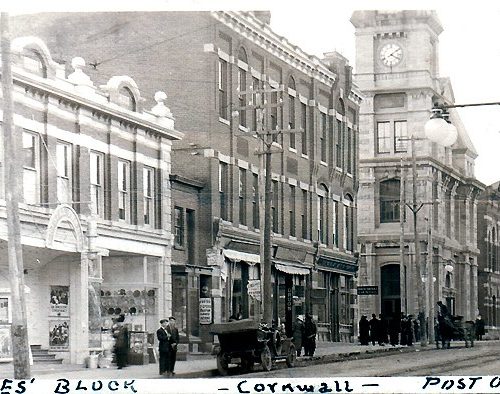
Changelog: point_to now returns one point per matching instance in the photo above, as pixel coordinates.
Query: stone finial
(78, 77)
(160, 109)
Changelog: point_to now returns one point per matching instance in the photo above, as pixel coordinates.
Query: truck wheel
(222, 365)
(266, 359)
(291, 356)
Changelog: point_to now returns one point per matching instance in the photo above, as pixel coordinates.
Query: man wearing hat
(298, 333)
(173, 340)
(163, 345)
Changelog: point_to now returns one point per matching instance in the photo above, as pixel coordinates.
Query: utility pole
(402, 210)
(13, 179)
(265, 134)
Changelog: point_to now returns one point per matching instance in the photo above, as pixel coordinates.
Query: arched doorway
(390, 292)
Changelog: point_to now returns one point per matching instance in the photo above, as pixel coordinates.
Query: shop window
(389, 200)
(64, 166)
(97, 183)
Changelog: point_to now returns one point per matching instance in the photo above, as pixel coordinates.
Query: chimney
(263, 16)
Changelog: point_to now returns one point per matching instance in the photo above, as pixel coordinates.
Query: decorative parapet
(120, 98)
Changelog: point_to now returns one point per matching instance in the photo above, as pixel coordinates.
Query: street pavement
(203, 366)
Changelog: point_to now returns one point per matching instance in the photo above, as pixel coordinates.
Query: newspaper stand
(246, 342)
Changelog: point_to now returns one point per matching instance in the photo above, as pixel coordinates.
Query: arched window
(127, 99)
(34, 63)
(349, 223)
(389, 200)
(291, 112)
(242, 86)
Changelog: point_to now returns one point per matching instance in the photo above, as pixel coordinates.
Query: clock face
(391, 54)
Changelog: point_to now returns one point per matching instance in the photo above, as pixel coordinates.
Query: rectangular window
(191, 234)
(148, 181)
(291, 120)
(338, 144)
(124, 190)
(222, 84)
(97, 183)
(242, 87)
(274, 114)
(323, 125)
(223, 191)
(275, 207)
(303, 126)
(303, 215)
(400, 136)
(291, 210)
(63, 161)
(242, 193)
(350, 150)
(255, 201)
(319, 218)
(383, 137)
(179, 226)
(31, 168)
(335, 227)
(256, 101)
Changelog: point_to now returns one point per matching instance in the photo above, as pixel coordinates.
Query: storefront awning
(291, 268)
(235, 255)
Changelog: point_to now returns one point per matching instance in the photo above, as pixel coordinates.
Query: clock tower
(397, 71)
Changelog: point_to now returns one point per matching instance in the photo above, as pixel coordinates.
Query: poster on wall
(59, 301)
(59, 334)
(205, 310)
(5, 343)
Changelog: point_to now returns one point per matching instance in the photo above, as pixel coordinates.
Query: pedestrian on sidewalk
(364, 331)
(416, 330)
(173, 341)
(120, 334)
(298, 334)
(374, 328)
(309, 340)
(383, 330)
(407, 331)
(479, 328)
(394, 330)
(163, 345)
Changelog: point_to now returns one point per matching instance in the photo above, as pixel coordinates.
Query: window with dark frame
(291, 113)
(303, 215)
(400, 136)
(222, 84)
(64, 166)
(323, 128)
(242, 192)
(97, 183)
(31, 168)
(384, 137)
(255, 201)
(303, 126)
(275, 207)
(124, 190)
(148, 179)
(179, 226)
(223, 191)
(338, 144)
(389, 200)
(291, 210)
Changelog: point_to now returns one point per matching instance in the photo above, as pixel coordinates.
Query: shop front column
(79, 305)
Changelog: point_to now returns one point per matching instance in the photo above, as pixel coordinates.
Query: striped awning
(291, 268)
(237, 256)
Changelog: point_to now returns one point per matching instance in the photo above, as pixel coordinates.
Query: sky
(469, 46)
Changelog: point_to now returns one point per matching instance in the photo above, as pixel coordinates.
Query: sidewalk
(202, 366)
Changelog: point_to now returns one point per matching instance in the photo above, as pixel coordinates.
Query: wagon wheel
(291, 356)
(222, 364)
(266, 359)
(247, 363)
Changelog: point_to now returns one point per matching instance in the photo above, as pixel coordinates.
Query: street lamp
(439, 130)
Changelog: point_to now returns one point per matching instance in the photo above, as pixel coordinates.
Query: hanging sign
(367, 290)
(253, 288)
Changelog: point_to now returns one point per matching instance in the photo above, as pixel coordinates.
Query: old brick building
(203, 60)
(397, 70)
(488, 225)
(95, 216)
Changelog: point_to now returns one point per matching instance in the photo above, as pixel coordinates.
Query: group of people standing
(304, 335)
(403, 330)
(168, 338)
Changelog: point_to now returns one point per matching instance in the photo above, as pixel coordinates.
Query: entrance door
(390, 292)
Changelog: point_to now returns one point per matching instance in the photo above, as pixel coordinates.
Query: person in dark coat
(298, 334)
(120, 333)
(374, 328)
(407, 331)
(394, 330)
(416, 330)
(479, 328)
(163, 345)
(364, 331)
(173, 340)
(383, 330)
(309, 339)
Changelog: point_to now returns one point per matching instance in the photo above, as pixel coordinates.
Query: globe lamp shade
(440, 131)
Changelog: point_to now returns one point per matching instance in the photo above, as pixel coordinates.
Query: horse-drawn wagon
(452, 328)
(246, 342)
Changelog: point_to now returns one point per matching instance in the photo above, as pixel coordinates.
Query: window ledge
(323, 163)
(243, 128)
(349, 175)
(307, 241)
(225, 121)
(304, 156)
(292, 238)
(294, 150)
(243, 226)
(178, 247)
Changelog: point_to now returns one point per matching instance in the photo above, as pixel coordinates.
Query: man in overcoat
(173, 341)
(163, 345)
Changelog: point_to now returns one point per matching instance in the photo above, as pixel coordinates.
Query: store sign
(253, 288)
(205, 311)
(367, 290)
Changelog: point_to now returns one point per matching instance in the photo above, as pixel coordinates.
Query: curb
(305, 362)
